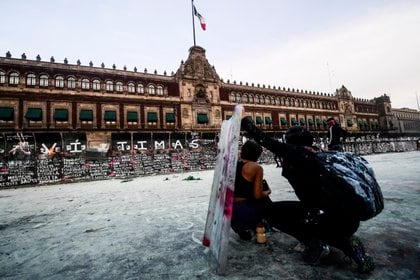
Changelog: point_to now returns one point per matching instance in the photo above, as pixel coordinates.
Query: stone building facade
(62, 122)
(407, 121)
(50, 97)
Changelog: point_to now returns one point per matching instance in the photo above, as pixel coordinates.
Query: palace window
(152, 117)
(302, 121)
(2, 77)
(283, 101)
(258, 120)
(283, 121)
(202, 118)
(159, 90)
(34, 114)
(245, 98)
(43, 81)
(96, 85)
(372, 124)
(262, 100)
(7, 114)
(14, 78)
(311, 122)
(238, 98)
(131, 88)
(132, 117)
(86, 116)
(109, 86)
(140, 88)
(110, 117)
(232, 97)
(31, 80)
(170, 118)
(61, 115)
(151, 89)
(59, 82)
(311, 104)
(71, 82)
(268, 120)
(119, 86)
(85, 84)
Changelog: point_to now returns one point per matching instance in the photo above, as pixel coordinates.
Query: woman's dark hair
(298, 135)
(251, 150)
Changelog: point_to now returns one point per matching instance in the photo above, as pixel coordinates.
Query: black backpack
(349, 185)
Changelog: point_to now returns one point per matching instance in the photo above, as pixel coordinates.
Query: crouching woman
(250, 200)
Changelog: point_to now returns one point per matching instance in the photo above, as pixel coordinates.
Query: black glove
(248, 125)
(261, 138)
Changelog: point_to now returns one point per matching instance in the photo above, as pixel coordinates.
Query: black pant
(305, 224)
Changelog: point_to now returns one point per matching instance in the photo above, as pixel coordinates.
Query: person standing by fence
(335, 135)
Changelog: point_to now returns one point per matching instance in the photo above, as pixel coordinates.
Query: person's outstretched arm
(279, 149)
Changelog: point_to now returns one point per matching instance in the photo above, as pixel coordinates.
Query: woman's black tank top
(243, 188)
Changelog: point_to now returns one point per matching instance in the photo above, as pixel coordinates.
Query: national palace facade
(106, 106)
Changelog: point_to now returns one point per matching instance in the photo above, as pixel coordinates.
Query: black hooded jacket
(299, 165)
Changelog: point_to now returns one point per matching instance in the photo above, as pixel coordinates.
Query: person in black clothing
(278, 161)
(311, 219)
(250, 197)
(335, 134)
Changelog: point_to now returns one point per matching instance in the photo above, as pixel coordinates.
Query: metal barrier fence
(38, 171)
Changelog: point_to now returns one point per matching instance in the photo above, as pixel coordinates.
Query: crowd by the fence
(35, 171)
(364, 145)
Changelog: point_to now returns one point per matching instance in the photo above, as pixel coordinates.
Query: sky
(371, 47)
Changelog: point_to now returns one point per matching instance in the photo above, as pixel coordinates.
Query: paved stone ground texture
(151, 228)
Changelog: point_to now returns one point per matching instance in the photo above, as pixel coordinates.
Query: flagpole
(192, 10)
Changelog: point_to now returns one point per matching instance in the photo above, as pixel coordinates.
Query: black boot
(358, 254)
(315, 250)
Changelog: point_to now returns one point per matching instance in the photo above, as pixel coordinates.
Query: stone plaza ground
(151, 228)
